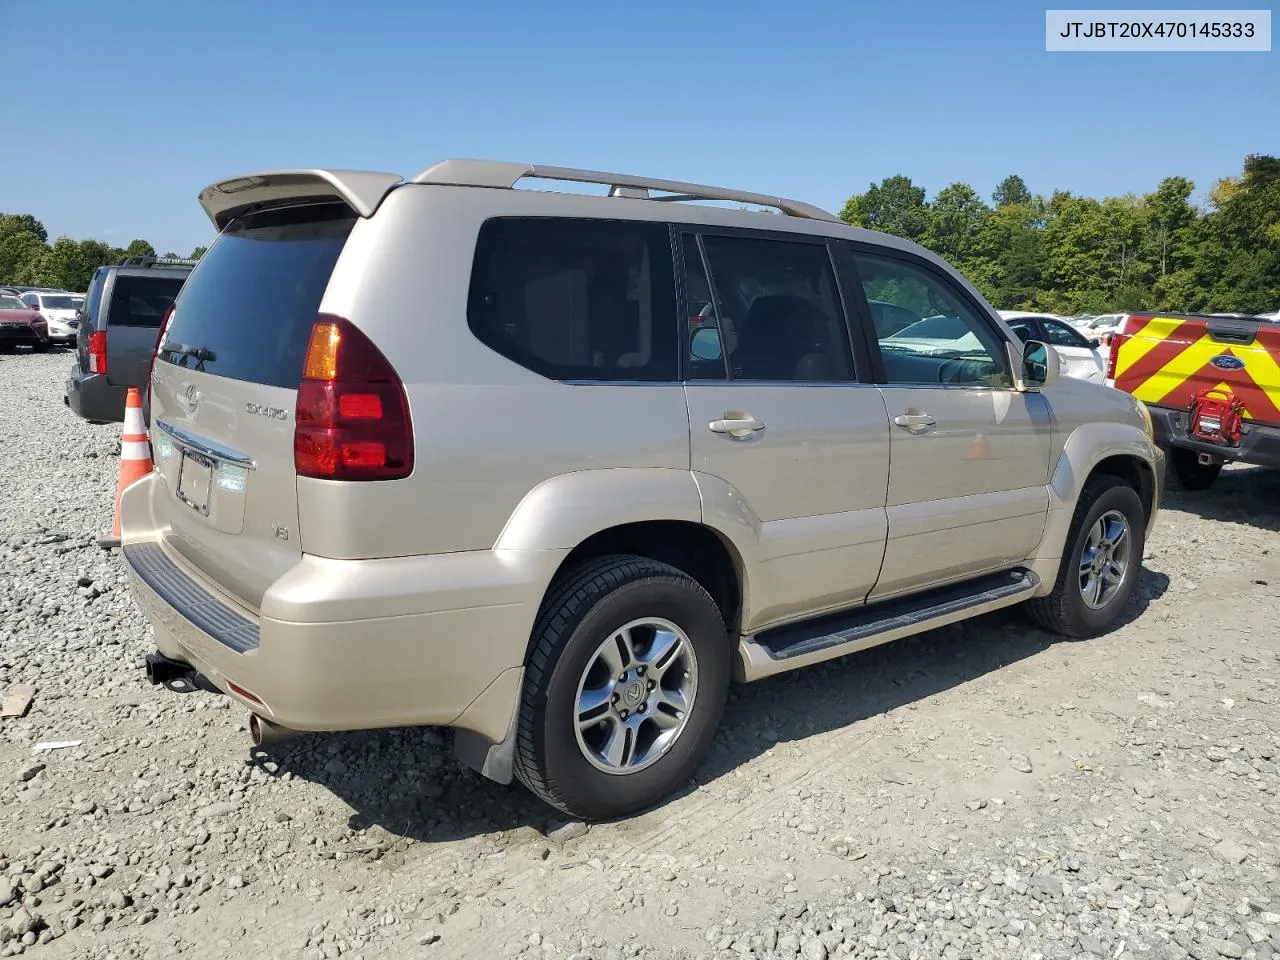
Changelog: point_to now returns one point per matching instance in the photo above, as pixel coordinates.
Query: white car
(1078, 350)
(61, 309)
(1102, 327)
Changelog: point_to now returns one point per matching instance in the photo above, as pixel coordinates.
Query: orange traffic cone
(135, 458)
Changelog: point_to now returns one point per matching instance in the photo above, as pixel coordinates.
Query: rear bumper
(92, 398)
(1260, 445)
(351, 644)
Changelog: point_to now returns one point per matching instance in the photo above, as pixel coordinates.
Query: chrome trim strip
(207, 447)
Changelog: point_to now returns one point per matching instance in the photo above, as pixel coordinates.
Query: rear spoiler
(361, 190)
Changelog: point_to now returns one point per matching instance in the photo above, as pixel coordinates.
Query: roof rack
(157, 262)
(495, 173)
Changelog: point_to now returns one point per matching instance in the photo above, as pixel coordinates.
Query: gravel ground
(982, 791)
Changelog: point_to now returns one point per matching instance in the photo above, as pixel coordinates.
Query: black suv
(119, 325)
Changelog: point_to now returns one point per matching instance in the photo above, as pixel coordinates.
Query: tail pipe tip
(263, 732)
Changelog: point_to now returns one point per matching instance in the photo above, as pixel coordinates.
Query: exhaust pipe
(264, 733)
(161, 669)
(176, 676)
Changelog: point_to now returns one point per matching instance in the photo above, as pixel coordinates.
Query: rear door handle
(739, 428)
(914, 421)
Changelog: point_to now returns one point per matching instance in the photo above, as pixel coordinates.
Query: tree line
(1064, 254)
(1071, 254)
(27, 258)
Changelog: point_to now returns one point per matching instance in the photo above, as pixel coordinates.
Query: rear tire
(620, 644)
(1094, 581)
(1191, 473)
(39, 347)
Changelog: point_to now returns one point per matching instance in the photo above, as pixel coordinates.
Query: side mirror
(1095, 343)
(35, 307)
(1041, 365)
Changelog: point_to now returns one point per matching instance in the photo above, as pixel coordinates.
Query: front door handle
(914, 421)
(738, 428)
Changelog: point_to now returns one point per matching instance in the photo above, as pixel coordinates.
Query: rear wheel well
(690, 547)
(1132, 471)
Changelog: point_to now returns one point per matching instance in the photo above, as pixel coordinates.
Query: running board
(800, 644)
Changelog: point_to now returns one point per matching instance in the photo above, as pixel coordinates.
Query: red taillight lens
(1118, 337)
(352, 413)
(98, 352)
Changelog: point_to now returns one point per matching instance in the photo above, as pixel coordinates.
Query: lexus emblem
(190, 397)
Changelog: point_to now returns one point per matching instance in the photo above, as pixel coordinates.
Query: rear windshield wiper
(200, 354)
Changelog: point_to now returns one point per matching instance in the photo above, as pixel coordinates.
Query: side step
(796, 645)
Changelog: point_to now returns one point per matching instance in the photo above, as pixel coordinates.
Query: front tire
(1101, 562)
(1191, 473)
(624, 687)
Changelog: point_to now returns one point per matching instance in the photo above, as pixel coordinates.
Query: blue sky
(118, 118)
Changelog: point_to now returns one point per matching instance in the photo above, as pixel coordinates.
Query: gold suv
(552, 469)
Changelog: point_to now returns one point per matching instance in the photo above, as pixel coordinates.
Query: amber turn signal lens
(321, 362)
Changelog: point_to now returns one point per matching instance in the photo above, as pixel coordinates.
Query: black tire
(1064, 611)
(1191, 473)
(583, 608)
(40, 347)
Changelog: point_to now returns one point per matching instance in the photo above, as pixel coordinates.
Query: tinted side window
(778, 309)
(94, 297)
(1061, 335)
(141, 301)
(948, 343)
(577, 299)
(1023, 328)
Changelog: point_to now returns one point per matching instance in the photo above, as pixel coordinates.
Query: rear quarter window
(141, 301)
(247, 310)
(577, 299)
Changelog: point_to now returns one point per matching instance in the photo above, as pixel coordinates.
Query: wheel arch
(1121, 450)
(693, 548)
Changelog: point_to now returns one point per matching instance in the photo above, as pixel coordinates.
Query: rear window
(141, 301)
(247, 310)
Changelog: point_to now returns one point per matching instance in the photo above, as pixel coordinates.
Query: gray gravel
(983, 791)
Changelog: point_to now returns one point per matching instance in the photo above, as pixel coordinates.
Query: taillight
(155, 349)
(352, 413)
(1118, 337)
(98, 352)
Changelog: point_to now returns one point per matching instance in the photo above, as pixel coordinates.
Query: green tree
(1010, 245)
(1238, 254)
(1011, 191)
(197, 253)
(956, 217)
(895, 206)
(1171, 219)
(140, 248)
(21, 256)
(63, 266)
(11, 223)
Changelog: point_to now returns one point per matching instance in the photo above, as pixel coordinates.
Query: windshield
(61, 303)
(11, 303)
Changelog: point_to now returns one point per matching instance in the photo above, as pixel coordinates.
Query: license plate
(195, 477)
